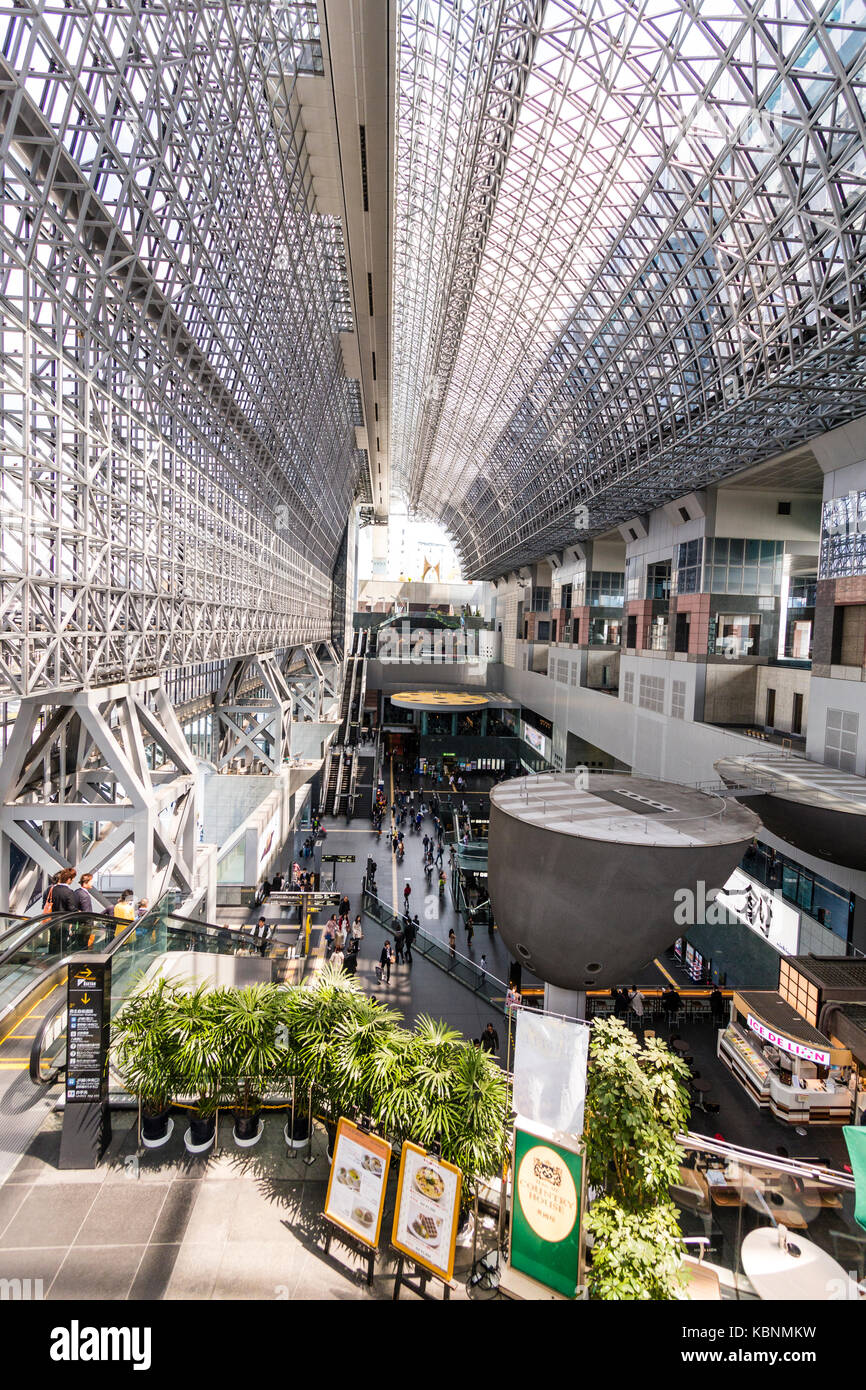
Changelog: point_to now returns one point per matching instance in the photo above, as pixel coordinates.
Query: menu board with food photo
(356, 1187)
(428, 1201)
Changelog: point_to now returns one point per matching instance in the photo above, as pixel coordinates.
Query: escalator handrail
(39, 1042)
(51, 919)
(148, 921)
(18, 920)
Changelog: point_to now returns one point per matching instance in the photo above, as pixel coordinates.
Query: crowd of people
(61, 898)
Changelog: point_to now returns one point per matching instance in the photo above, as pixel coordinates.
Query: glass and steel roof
(629, 253)
(179, 454)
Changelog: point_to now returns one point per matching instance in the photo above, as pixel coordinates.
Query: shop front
(784, 1064)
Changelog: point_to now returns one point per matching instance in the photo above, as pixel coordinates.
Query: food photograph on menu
(356, 1187)
(428, 1200)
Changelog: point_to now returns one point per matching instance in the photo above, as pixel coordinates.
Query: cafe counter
(796, 1074)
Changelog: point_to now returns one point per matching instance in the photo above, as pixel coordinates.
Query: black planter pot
(296, 1135)
(248, 1128)
(332, 1139)
(156, 1127)
(200, 1134)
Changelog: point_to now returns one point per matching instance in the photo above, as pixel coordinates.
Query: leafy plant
(636, 1255)
(144, 1047)
(247, 1025)
(195, 1038)
(636, 1104)
(312, 1015)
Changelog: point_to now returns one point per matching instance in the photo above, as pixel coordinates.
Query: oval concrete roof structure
(582, 870)
(819, 809)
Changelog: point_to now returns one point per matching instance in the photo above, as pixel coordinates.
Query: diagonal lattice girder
(670, 284)
(178, 434)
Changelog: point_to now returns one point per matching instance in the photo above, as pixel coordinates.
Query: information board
(338, 858)
(295, 897)
(87, 1039)
(356, 1187)
(428, 1205)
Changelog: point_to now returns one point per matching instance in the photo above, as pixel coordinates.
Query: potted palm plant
(248, 1023)
(143, 1051)
(312, 1015)
(194, 1031)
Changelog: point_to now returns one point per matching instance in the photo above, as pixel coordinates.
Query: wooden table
(803, 1272)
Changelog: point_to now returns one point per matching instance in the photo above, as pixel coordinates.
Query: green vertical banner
(547, 1200)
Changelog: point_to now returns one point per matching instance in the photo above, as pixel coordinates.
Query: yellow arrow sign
(85, 998)
(86, 973)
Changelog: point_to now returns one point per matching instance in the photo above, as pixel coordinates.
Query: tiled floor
(239, 1225)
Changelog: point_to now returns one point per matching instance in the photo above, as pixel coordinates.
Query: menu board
(356, 1187)
(428, 1203)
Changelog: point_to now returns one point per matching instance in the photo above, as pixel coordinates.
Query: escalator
(139, 949)
(342, 768)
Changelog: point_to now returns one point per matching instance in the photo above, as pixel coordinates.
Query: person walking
(407, 892)
(357, 934)
(490, 1039)
(635, 1000)
(439, 854)
(399, 939)
(452, 946)
(470, 932)
(409, 934)
(385, 962)
(717, 1006)
(330, 934)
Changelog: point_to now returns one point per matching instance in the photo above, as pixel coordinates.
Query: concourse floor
(242, 1224)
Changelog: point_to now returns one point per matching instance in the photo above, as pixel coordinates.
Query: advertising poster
(356, 1187)
(762, 910)
(547, 1202)
(428, 1203)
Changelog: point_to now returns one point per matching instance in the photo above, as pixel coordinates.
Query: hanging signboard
(356, 1188)
(546, 1209)
(428, 1205)
(550, 1060)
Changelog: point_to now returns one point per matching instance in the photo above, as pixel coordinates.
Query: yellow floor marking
(14, 1066)
(15, 1036)
(665, 973)
(40, 1000)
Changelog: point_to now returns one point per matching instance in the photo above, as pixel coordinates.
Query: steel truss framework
(629, 253)
(259, 696)
(114, 761)
(178, 436)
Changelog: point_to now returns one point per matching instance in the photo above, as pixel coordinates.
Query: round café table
(808, 1275)
(680, 1045)
(702, 1087)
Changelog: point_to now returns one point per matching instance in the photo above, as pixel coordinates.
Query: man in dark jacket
(385, 962)
(490, 1039)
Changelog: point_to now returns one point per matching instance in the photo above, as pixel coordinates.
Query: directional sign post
(307, 903)
(86, 1117)
(335, 859)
